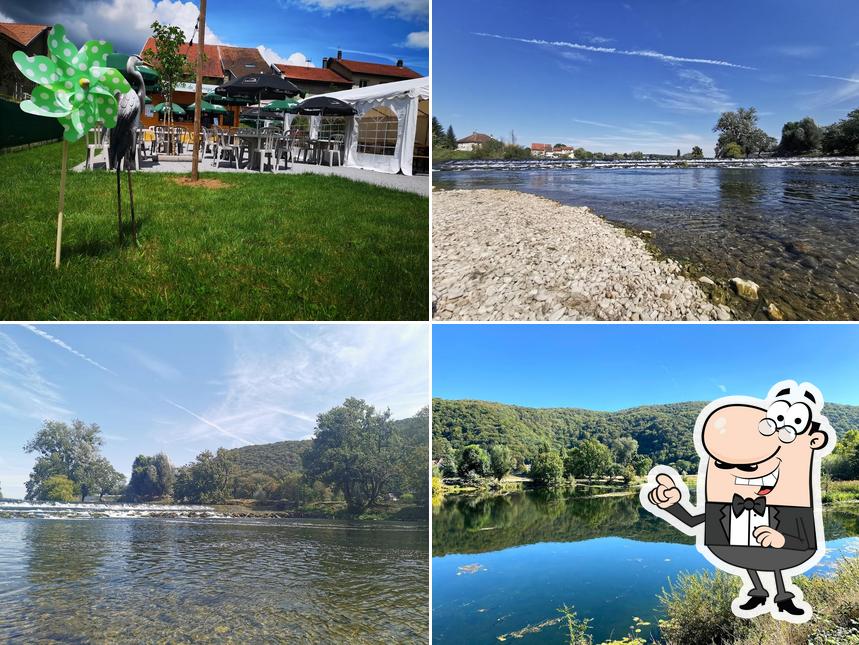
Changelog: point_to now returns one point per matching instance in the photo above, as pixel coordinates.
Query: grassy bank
(260, 247)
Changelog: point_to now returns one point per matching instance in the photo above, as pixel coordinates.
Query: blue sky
(543, 70)
(187, 388)
(295, 30)
(611, 367)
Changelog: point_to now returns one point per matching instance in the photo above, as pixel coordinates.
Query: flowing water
(792, 229)
(504, 564)
(179, 580)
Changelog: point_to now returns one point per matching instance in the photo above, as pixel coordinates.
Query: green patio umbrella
(162, 107)
(208, 107)
(118, 61)
(281, 105)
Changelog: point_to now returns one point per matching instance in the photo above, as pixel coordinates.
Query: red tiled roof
(317, 74)
(211, 61)
(476, 137)
(21, 33)
(541, 147)
(241, 61)
(360, 67)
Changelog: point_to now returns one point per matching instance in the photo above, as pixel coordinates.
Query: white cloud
(272, 57)
(282, 377)
(71, 350)
(417, 40)
(408, 9)
(798, 51)
(694, 92)
(24, 392)
(836, 78)
(124, 23)
(644, 53)
(158, 367)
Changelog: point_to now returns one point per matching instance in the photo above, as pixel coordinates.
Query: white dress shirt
(743, 527)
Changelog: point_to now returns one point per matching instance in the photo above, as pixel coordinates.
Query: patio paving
(416, 184)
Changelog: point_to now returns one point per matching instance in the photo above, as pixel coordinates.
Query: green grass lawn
(303, 247)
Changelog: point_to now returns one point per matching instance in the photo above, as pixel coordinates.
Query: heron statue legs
(130, 202)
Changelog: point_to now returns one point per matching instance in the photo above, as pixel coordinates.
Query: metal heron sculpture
(123, 138)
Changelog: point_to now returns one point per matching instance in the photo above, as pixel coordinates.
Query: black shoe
(752, 602)
(789, 607)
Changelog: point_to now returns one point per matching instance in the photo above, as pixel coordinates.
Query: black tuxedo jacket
(796, 523)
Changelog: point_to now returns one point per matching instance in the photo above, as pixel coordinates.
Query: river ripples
(146, 580)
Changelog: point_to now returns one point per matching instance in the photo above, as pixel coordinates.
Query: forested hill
(283, 457)
(274, 459)
(663, 432)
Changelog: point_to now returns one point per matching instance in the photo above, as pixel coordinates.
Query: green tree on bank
(500, 461)
(151, 478)
(473, 461)
(547, 469)
(71, 451)
(589, 459)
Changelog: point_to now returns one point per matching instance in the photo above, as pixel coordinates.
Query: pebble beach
(506, 255)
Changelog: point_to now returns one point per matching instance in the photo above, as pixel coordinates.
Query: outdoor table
(254, 140)
(322, 145)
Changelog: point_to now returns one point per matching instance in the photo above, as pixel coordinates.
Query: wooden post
(198, 92)
(62, 203)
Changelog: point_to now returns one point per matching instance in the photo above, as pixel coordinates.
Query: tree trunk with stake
(198, 92)
(62, 203)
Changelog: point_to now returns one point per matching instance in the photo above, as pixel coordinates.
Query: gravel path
(505, 255)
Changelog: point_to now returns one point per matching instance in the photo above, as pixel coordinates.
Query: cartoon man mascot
(758, 497)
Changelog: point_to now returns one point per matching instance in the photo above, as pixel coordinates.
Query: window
(377, 132)
(330, 125)
(300, 123)
(362, 83)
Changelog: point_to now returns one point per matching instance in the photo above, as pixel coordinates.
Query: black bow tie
(740, 504)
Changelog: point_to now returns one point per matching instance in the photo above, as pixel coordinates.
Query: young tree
(500, 461)
(171, 65)
(473, 460)
(697, 153)
(589, 459)
(356, 450)
(57, 488)
(547, 468)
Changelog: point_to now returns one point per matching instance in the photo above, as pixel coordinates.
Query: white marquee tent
(390, 118)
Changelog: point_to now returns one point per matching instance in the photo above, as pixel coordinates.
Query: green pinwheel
(76, 87)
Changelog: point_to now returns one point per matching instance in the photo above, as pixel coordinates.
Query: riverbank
(506, 255)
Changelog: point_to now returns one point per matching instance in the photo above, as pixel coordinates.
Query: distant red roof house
(241, 61)
(541, 148)
(362, 73)
(21, 33)
(33, 40)
(563, 150)
(212, 71)
(475, 137)
(313, 80)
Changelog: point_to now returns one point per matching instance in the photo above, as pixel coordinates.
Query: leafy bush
(698, 610)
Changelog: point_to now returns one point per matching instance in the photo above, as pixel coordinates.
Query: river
(135, 580)
(792, 229)
(504, 564)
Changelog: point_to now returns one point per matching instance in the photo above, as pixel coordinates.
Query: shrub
(698, 609)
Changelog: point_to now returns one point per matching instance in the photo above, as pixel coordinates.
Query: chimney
(324, 61)
(399, 62)
(339, 54)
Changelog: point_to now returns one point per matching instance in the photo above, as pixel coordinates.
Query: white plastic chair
(97, 145)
